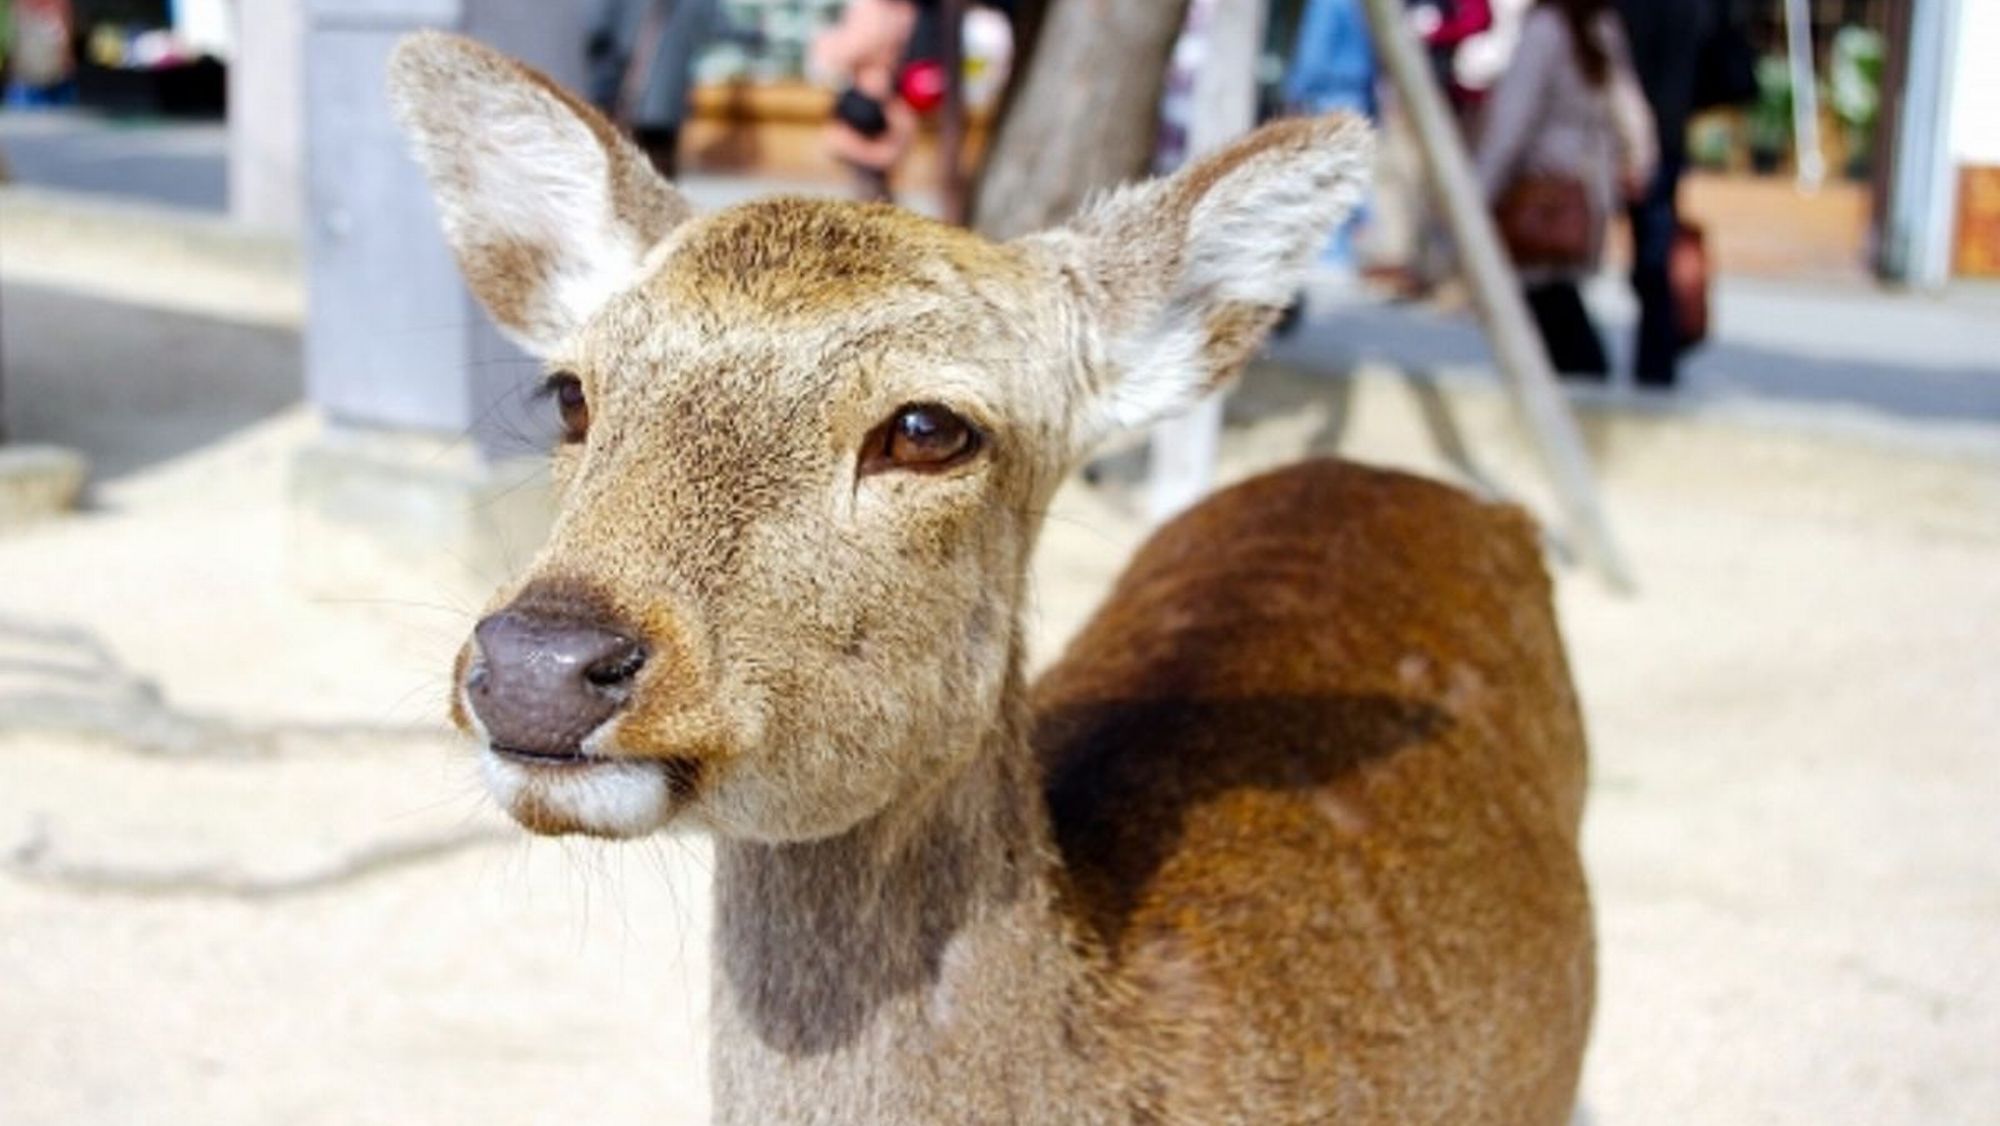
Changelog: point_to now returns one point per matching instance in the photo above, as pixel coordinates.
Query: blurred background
(264, 460)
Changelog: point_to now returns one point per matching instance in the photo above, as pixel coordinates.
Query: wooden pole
(1082, 114)
(953, 190)
(1496, 291)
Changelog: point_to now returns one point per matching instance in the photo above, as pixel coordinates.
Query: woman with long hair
(1567, 138)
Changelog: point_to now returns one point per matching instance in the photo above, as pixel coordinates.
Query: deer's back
(1316, 770)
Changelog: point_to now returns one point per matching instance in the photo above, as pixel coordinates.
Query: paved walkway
(1813, 345)
(173, 163)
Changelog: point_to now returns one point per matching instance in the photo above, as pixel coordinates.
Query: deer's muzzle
(541, 683)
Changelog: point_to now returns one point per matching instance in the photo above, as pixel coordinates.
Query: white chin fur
(608, 799)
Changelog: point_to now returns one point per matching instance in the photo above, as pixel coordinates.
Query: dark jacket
(1666, 38)
(615, 28)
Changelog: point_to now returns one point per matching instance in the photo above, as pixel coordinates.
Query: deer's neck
(916, 969)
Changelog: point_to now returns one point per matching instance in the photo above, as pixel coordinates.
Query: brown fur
(1331, 705)
(1290, 834)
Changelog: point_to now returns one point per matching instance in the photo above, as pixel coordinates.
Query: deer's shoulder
(1318, 699)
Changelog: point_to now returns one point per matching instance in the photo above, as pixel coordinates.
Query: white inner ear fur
(1247, 240)
(525, 186)
(546, 181)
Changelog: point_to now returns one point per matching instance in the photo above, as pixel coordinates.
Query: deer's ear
(1182, 278)
(548, 208)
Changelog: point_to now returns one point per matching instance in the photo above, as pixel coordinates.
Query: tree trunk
(1084, 115)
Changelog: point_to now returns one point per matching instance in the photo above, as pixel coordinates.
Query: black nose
(541, 684)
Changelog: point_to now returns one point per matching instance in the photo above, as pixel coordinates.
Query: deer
(1288, 834)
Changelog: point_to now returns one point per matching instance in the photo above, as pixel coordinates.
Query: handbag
(1687, 280)
(1545, 220)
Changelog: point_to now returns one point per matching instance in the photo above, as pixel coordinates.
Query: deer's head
(807, 446)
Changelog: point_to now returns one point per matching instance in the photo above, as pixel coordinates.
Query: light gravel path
(1792, 833)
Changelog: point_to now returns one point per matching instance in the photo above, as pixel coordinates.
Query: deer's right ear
(1182, 278)
(549, 208)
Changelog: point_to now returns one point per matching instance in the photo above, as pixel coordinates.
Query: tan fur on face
(717, 500)
(1289, 836)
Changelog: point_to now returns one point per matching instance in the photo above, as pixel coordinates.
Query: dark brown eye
(567, 391)
(922, 437)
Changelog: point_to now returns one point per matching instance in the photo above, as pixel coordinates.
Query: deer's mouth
(576, 757)
(557, 793)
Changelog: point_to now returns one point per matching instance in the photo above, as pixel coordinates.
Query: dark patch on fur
(814, 937)
(683, 776)
(1129, 772)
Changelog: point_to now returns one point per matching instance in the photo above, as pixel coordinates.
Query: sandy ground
(248, 879)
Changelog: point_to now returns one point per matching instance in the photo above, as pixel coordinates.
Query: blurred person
(41, 66)
(1482, 59)
(1445, 26)
(1411, 248)
(1333, 61)
(641, 55)
(1333, 70)
(1567, 138)
(1668, 36)
(873, 126)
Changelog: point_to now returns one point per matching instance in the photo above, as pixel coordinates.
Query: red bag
(1687, 279)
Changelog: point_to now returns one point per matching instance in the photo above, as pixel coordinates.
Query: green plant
(1770, 118)
(1854, 91)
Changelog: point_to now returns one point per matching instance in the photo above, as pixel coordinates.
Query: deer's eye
(921, 437)
(567, 391)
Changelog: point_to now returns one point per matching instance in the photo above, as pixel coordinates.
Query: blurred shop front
(153, 57)
(1882, 117)
(758, 109)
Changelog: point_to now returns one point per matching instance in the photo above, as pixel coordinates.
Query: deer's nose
(541, 683)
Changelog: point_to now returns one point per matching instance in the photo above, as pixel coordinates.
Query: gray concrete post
(421, 463)
(267, 116)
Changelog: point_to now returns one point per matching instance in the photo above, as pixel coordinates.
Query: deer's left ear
(1182, 278)
(548, 208)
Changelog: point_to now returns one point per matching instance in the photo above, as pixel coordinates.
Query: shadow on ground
(131, 386)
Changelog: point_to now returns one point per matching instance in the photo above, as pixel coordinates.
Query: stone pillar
(427, 470)
(266, 116)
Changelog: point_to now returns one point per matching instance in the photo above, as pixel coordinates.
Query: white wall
(206, 25)
(1975, 109)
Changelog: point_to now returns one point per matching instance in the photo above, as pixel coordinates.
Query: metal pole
(1805, 96)
(1496, 291)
